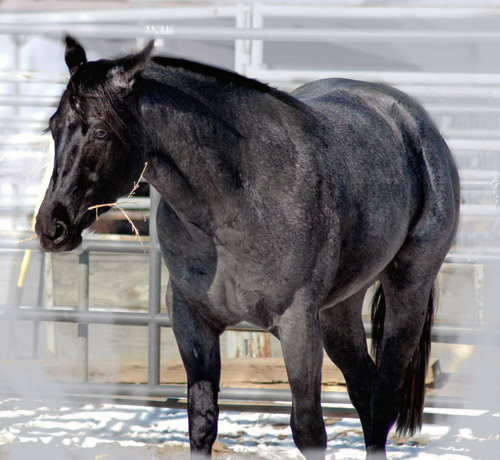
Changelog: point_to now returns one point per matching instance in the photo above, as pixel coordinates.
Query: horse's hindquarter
(381, 188)
(382, 171)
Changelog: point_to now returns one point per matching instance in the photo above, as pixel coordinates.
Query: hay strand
(33, 237)
(116, 205)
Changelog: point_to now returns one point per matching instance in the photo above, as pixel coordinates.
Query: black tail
(412, 405)
(378, 318)
(409, 419)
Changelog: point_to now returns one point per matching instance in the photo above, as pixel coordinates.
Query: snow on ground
(30, 430)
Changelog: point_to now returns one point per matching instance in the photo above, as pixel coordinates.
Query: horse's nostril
(61, 229)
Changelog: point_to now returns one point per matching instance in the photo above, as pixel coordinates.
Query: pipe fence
(249, 33)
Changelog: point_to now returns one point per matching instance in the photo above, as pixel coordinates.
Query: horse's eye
(100, 134)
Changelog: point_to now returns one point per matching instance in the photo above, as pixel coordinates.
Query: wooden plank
(237, 373)
(118, 281)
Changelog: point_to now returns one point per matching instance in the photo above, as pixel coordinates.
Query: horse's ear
(134, 64)
(74, 55)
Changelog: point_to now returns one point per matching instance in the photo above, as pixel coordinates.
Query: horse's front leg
(344, 340)
(198, 343)
(300, 337)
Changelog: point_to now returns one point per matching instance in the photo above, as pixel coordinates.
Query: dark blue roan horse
(278, 209)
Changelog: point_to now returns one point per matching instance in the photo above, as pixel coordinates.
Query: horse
(280, 209)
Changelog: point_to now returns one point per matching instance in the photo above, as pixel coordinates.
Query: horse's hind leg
(300, 337)
(405, 345)
(198, 344)
(344, 340)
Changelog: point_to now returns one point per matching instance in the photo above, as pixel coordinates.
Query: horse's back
(320, 91)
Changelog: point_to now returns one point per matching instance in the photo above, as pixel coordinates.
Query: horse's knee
(203, 414)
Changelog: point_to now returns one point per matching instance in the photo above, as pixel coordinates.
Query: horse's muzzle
(55, 236)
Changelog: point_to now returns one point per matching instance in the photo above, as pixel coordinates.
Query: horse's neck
(205, 141)
(192, 154)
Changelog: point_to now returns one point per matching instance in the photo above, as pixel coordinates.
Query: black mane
(90, 82)
(227, 76)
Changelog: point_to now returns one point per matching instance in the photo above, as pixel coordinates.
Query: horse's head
(96, 160)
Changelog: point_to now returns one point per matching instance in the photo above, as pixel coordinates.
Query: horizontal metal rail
(460, 90)
(434, 79)
(121, 15)
(473, 145)
(471, 256)
(12, 243)
(24, 76)
(479, 210)
(268, 10)
(225, 11)
(442, 333)
(89, 245)
(267, 34)
(26, 204)
(375, 13)
(225, 394)
(433, 84)
(34, 100)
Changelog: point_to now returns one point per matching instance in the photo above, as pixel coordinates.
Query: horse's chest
(241, 294)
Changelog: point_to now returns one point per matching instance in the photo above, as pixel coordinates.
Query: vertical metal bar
(18, 43)
(83, 329)
(242, 47)
(154, 336)
(48, 303)
(16, 303)
(39, 303)
(257, 51)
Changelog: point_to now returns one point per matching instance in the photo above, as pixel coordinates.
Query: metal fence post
(154, 336)
(83, 328)
(41, 289)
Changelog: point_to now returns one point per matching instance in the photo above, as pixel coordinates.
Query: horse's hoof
(314, 454)
(373, 453)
